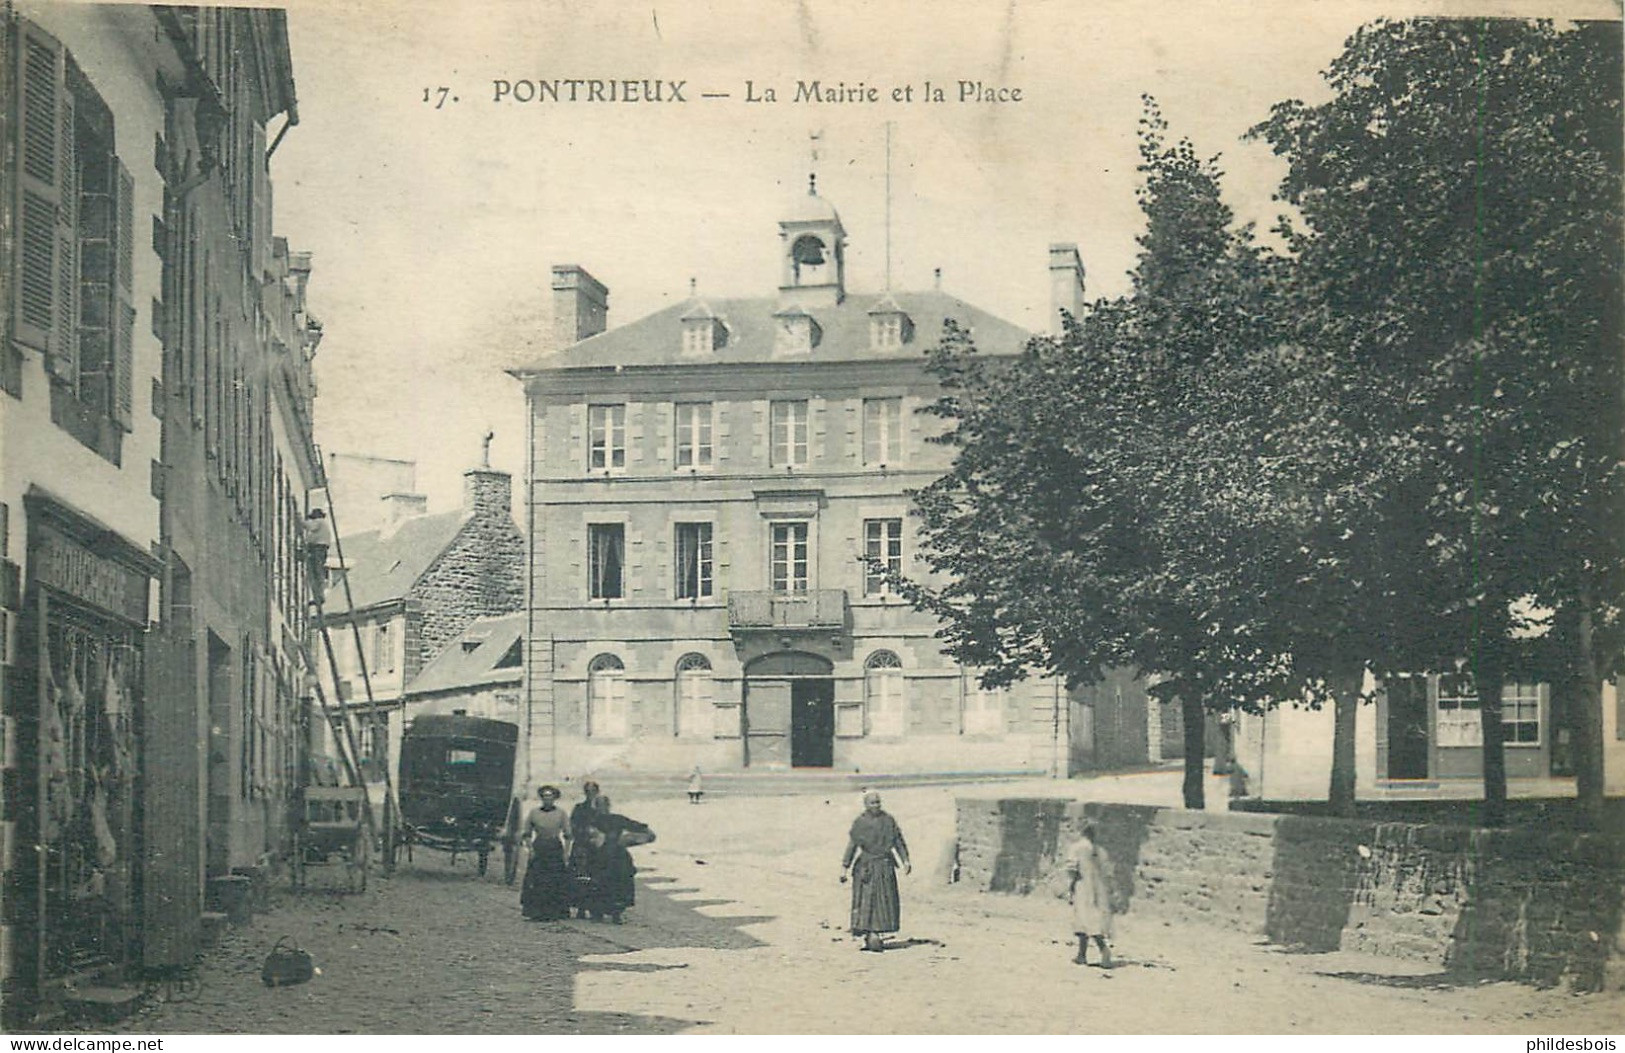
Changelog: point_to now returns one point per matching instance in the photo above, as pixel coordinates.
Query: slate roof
(383, 565)
(657, 339)
(470, 660)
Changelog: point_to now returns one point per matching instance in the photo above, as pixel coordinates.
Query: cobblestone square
(739, 928)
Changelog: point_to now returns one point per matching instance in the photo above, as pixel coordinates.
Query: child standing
(695, 786)
(1088, 883)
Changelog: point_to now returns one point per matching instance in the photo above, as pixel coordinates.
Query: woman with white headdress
(874, 850)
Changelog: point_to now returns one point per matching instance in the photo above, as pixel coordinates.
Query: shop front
(82, 646)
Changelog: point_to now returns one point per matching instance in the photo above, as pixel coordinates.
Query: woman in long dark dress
(874, 850)
(582, 850)
(545, 895)
(612, 872)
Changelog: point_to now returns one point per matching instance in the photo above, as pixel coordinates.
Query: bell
(809, 253)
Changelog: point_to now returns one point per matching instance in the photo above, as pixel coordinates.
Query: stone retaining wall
(1527, 905)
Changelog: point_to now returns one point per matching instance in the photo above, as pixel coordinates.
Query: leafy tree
(1089, 517)
(1460, 246)
(1173, 485)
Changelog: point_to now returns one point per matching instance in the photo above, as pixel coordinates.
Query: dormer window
(796, 332)
(889, 326)
(701, 337)
(703, 331)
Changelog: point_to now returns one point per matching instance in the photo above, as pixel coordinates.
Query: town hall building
(715, 494)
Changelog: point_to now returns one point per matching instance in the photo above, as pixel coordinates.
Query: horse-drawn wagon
(456, 790)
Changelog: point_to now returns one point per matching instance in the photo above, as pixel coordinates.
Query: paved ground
(738, 928)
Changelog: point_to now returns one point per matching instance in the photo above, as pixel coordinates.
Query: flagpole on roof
(888, 206)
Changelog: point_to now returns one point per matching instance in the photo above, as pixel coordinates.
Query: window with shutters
(74, 245)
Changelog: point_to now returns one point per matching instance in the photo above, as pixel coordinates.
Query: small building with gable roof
(479, 673)
(415, 585)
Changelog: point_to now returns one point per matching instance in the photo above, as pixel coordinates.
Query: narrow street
(739, 928)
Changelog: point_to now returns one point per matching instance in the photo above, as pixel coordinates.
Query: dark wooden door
(1407, 728)
(812, 728)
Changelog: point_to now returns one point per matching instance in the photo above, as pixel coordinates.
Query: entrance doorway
(789, 718)
(812, 723)
(217, 853)
(1407, 728)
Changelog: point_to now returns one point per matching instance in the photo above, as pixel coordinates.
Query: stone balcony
(819, 609)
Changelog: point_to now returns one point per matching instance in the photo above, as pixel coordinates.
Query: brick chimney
(488, 493)
(580, 305)
(1065, 283)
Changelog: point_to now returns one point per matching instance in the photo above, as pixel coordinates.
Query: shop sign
(89, 577)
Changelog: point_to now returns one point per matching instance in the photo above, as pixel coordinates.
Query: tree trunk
(1587, 717)
(1345, 685)
(1489, 676)
(1190, 704)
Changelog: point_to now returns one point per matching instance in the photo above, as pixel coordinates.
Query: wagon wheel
(485, 857)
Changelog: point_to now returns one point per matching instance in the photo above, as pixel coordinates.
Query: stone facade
(1527, 905)
(156, 415)
(480, 574)
(786, 431)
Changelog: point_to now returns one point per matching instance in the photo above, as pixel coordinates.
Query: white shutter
(41, 100)
(618, 709)
(64, 354)
(885, 702)
(695, 705)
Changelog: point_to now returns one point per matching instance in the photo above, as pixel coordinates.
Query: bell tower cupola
(813, 251)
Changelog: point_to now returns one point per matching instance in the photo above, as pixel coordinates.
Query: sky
(435, 224)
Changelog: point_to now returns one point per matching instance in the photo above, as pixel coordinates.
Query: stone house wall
(481, 573)
(1532, 905)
